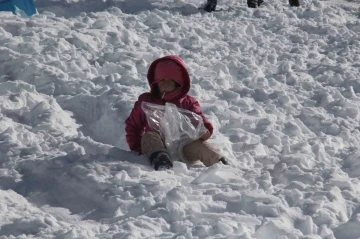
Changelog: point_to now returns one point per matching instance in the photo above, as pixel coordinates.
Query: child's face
(166, 86)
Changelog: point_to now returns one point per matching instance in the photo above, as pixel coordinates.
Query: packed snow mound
(280, 84)
(31, 123)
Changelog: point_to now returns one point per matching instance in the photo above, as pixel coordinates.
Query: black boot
(294, 3)
(210, 5)
(160, 160)
(224, 161)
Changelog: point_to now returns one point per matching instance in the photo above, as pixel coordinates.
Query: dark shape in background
(28, 6)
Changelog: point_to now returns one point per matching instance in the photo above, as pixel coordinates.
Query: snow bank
(279, 84)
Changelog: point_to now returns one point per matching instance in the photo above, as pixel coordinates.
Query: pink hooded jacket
(136, 123)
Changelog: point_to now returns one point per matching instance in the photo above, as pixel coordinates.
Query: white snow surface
(281, 86)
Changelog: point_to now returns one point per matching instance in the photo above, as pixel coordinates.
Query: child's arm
(135, 125)
(195, 107)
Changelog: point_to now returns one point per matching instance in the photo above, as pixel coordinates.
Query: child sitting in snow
(169, 82)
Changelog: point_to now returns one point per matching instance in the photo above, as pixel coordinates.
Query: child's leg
(153, 147)
(203, 151)
(151, 142)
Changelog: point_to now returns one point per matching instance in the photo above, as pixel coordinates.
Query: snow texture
(281, 86)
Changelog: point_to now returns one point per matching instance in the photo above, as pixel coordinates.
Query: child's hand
(206, 135)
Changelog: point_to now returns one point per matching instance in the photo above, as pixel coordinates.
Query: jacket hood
(185, 85)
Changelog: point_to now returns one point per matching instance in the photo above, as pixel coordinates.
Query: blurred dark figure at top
(210, 5)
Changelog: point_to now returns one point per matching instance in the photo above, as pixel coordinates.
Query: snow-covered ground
(281, 86)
